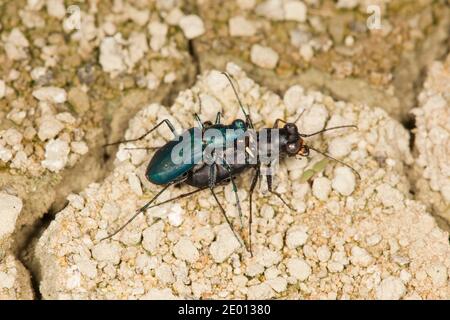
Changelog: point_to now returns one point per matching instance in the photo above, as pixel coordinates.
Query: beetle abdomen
(169, 164)
(162, 169)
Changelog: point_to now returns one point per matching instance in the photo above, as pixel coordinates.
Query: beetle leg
(142, 148)
(184, 195)
(199, 121)
(218, 117)
(279, 196)
(142, 209)
(212, 183)
(238, 202)
(250, 197)
(166, 121)
(275, 125)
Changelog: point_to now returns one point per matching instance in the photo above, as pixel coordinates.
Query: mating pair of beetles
(162, 170)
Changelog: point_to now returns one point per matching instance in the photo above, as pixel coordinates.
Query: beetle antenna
(299, 116)
(199, 104)
(337, 160)
(247, 116)
(166, 121)
(327, 129)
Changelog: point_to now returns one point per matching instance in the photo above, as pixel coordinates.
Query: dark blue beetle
(162, 170)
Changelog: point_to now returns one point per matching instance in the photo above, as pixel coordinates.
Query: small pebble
(5, 154)
(13, 75)
(174, 17)
(246, 4)
(321, 188)
(17, 116)
(29, 133)
(37, 73)
(323, 253)
(405, 276)
(106, 252)
(56, 155)
(152, 236)
(15, 45)
(293, 98)
(438, 274)
(7, 280)
(159, 294)
(158, 32)
(225, 244)
(278, 284)
(55, 8)
(12, 137)
(138, 16)
(65, 117)
(79, 100)
(210, 106)
(347, 4)
(49, 128)
(50, 94)
(296, 236)
(135, 183)
(389, 196)
(295, 10)
(111, 56)
(298, 268)
(360, 257)
(339, 147)
(254, 268)
(349, 41)
(344, 181)
(79, 147)
(76, 201)
(260, 292)
(272, 9)
(373, 239)
(307, 52)
(241, 27)
(264, 57)
(176, 215)
(2, 89)
(391, 288)
(10, 207)
(86, 266)
(170, 77)
(109, 28)
(192, 26)
(20, 160)
(313, 119)
(185, 250)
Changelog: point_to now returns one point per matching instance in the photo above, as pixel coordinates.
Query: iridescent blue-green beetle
(162, 170)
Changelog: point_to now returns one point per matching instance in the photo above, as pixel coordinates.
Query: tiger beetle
(162, 170)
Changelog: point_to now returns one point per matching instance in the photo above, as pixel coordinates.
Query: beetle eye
(293, 147)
